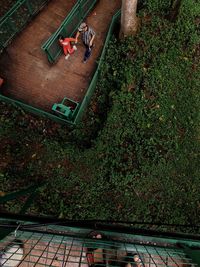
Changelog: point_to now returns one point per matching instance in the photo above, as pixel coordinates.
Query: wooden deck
(24, 66)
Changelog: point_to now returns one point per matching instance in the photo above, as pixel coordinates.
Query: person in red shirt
(68, 49)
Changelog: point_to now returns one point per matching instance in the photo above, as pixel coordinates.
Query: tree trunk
(174, 9)
(129, 20)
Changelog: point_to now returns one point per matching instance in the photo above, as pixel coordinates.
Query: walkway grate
(30, 248)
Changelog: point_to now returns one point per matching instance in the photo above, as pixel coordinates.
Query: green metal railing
(64, 243)
(16, 18)
(36, 111)
(68, 27)
(32, 191)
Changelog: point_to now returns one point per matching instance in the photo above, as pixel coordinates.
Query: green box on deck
(67, 108)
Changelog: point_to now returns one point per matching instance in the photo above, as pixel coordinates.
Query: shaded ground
(5, 5)
(28, 75)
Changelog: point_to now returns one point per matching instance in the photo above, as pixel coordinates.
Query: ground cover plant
(136, 155)
(5, 6)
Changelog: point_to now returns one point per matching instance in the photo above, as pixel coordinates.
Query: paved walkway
(24, 66)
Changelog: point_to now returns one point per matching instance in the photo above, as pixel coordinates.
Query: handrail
(35, 110)
(116, 16)
(52, 37)
(32, 191)
(34, 223)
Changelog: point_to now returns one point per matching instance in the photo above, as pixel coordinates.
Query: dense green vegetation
(5, 6)
(136, 156)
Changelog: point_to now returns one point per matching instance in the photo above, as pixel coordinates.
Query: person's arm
(93, 36)
(91, 41)
(76, 37)
(71, 39)
(60, 42)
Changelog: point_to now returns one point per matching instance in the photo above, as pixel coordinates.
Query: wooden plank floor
(24, 66)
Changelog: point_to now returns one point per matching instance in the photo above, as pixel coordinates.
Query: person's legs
(71, 49)
(88, 52)
(68, 50)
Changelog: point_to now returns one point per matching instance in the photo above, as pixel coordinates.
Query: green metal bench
(67, 108)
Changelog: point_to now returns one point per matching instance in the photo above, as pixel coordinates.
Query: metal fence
(16, 18)
(68, 27)
(34, 110)
(58, 245)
